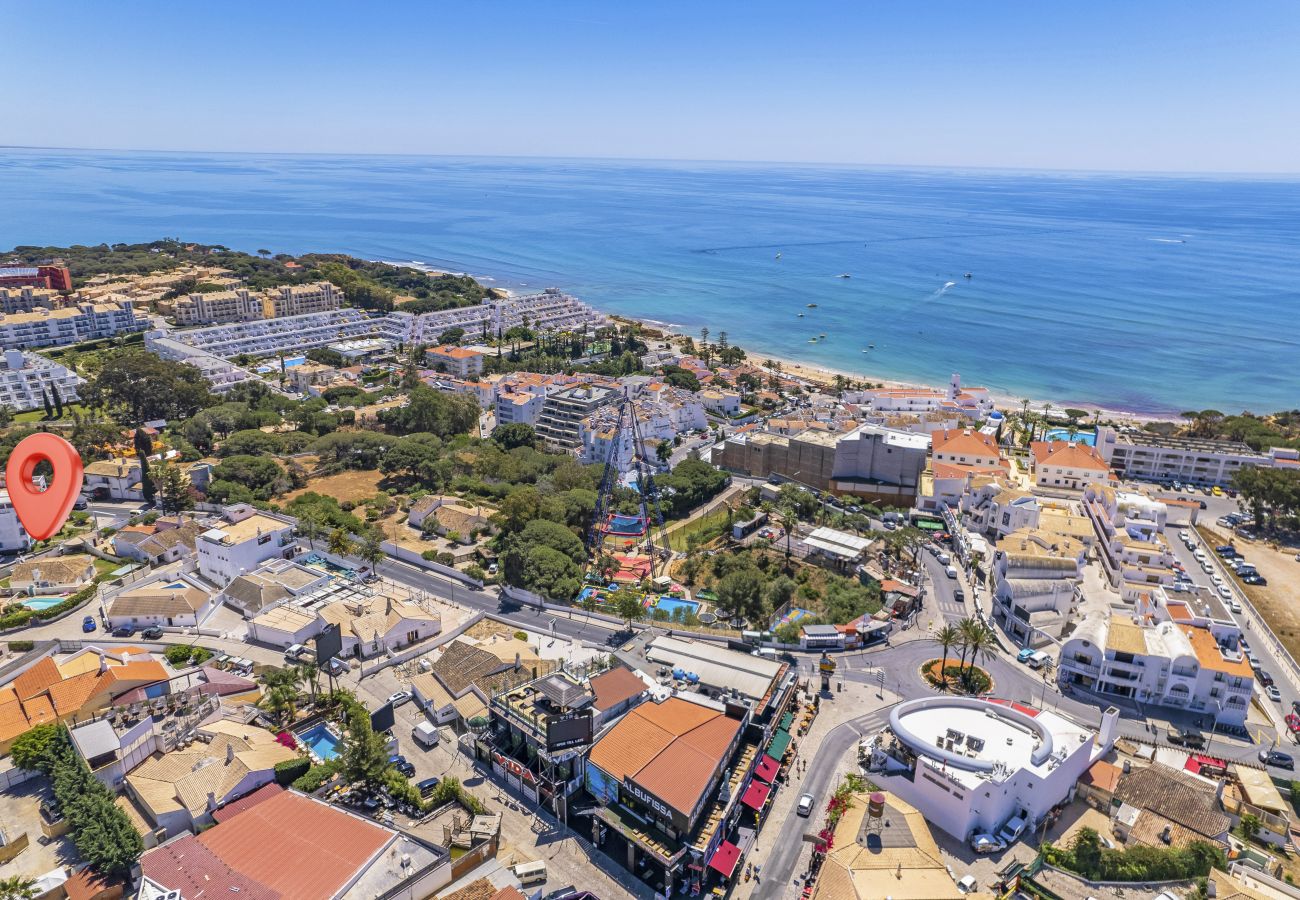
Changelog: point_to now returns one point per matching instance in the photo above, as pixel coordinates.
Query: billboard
(383, 719)
(572, 729)
(329, 644)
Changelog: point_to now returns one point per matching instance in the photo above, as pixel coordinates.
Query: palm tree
(969, 634)
(308, 672)
(983, 644)
(946, 637)
(281, 696)
(16, 887)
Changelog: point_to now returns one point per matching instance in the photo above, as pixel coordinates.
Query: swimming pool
(321, 741)
(42, 603)
(319, 562)
(672, 604)
(1063, 434)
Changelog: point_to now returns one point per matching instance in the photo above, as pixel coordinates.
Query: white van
(950, 572)
(1038, 660)
(943, 557)
(425, 734)
(531, 872)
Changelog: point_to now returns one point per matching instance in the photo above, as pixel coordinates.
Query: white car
(985, 843)
(1186, 536)
(1273, 693)
(805, 807)
(1010, 832)
(399, 698)
(1224, 592)
(1217, 579)
(1234, 606)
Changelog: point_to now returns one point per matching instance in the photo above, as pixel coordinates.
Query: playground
(672, 603)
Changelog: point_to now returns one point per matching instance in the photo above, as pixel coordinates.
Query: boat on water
(968, 275)
(778, 254)
(812, 340)
(812, 305)
(845, 275)
(801, 315)
(822, 335)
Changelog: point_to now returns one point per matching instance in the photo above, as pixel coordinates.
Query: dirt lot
(1275, 601)
(353, 484)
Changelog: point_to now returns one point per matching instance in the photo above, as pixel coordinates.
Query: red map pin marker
(43, 512)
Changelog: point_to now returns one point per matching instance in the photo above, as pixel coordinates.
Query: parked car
(1293, 720)
(805, 806)
(152, 633)
(399, 698)
(950, 572)
(80, 503)
(402, 764)
(124, 631)
(985, 843)
(1023, 655)
(1010, 832)
(1277, 758)
(1258, 580)
(428, 786)
(1185, 737)
(294, 653)
(88, 624)
(1273, 693)
(336, 667)
(1264, 678)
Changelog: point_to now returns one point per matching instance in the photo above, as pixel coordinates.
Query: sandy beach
(824, 375)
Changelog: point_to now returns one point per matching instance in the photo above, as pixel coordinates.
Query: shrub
(21, 646)
(475, 572)
(290, 770)
(177, 654)
(316, 776)
(521, 635)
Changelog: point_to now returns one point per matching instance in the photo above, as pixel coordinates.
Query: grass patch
(104, 566)
(711, 526)
(38, 414)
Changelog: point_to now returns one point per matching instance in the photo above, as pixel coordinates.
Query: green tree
(514, 434)
(340, 542)
(946, 637)
(311, 523)
(365, 754)
(7, 414)
(45, 401)
(370, 548)
(629, 607)
(34, 750)
(451, 336)
(174, 493)
(742, 592)
(17, 887)
(139, 387)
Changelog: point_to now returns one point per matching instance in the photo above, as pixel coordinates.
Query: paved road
(778, 870)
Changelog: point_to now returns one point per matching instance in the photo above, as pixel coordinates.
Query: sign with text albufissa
(43, 512)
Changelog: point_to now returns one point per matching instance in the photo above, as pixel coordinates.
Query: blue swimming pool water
(320, 741)
(670, 604)
(42, 603)
(1063, 434)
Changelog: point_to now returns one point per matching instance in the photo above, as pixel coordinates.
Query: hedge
(290, 770)
(21, 617)
(316, 776)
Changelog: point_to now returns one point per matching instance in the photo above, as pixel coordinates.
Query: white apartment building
(265, 337)
(521, 406)
(1130, 542)
(1141, 455)
(1182, 661)
(970, 402)
(722, 403)
(560, 422)
(550, 310)
(1066, 466)
(1036, 577)
(27, 378)
(69, 324)
(243, 541)
(964, 447)
(994, 510)
(13, 539)
(971, 765)
(27, 299)
(662, 414)
(220, 373)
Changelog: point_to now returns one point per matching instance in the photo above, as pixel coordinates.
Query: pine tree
(58, 404)
(173, 489)
(49, 409)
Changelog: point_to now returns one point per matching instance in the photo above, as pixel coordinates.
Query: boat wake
(1168, 240)
(947, 285)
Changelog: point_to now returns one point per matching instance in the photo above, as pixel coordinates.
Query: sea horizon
(1099, 290)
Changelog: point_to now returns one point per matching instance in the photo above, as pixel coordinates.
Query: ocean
(1151, 294)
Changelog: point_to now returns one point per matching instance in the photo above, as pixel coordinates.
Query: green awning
(780, 743)
(927, 525)
(787, 721)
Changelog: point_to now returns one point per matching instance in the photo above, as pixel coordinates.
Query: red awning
(724, 858)
(767, 768)
(756, 794)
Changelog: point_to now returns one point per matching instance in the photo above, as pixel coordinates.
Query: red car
(1293, 723)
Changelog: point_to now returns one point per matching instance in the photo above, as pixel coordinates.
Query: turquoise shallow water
(1147, 293)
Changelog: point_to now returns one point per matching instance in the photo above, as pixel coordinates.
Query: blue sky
(1150, 86)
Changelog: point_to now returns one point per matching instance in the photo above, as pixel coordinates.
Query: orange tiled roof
(1067, 455)
(963, 441)
(1209, 657)
(36, 679)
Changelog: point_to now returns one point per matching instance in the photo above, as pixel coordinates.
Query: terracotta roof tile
(37, 678)
(301, 848)
(614, 686)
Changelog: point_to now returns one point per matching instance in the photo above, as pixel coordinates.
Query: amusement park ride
(631, 530)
